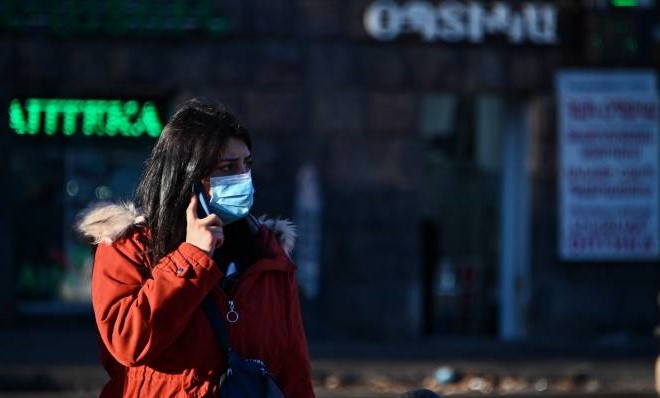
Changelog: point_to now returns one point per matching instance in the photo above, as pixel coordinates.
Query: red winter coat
(156, 340)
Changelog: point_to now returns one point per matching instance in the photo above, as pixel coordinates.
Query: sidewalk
(59, 359)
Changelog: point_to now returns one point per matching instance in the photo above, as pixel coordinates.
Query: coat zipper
(232, 315)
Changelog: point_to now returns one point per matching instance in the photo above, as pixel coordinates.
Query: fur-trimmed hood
(106, 222)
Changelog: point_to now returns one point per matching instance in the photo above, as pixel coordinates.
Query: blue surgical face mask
(231, 196)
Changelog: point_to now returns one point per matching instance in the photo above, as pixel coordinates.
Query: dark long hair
(187, 151)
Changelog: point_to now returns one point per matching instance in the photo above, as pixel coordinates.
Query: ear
(206, 186)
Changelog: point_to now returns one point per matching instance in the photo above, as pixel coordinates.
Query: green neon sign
(144, 18)
(624, 3)
(90, 117)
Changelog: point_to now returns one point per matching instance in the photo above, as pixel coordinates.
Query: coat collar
(106, 222)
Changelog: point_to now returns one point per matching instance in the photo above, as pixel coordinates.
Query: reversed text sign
(459, 21)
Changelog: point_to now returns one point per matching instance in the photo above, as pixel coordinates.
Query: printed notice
(608, 165)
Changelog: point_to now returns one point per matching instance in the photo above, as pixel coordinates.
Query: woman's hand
(205, 233)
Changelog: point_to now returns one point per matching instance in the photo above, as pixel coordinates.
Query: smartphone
(202, 203)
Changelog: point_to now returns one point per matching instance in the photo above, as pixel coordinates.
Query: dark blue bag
(244, 378)
(248, 378)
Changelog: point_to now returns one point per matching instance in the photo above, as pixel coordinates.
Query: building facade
(431, 129)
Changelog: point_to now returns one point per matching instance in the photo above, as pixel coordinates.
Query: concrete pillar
(515, 289)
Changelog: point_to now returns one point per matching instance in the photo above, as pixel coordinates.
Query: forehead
(234, 149)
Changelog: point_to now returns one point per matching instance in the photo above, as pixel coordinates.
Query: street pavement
(54, 359)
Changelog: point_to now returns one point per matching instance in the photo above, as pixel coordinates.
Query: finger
(211, 220)
(213, 228)
(191, 210)
(218, 238)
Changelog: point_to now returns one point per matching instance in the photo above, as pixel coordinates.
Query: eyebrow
(233, 159)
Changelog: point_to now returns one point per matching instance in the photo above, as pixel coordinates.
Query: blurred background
(472, 180)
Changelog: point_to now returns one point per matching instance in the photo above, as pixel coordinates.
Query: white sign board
(608, 165)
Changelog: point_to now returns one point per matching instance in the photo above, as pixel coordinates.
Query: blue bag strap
(213, 312)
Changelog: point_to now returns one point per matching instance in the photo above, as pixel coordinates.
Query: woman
(154, 266)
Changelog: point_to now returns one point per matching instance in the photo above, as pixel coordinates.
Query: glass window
(51, 185)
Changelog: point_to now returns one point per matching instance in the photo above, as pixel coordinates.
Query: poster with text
(608, 165)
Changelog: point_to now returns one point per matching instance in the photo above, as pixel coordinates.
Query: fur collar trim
(106, 222)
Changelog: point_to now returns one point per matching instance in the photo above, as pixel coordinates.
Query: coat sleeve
(296, 374)
(138, 319)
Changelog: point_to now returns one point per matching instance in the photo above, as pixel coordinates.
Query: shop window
(51, 185)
